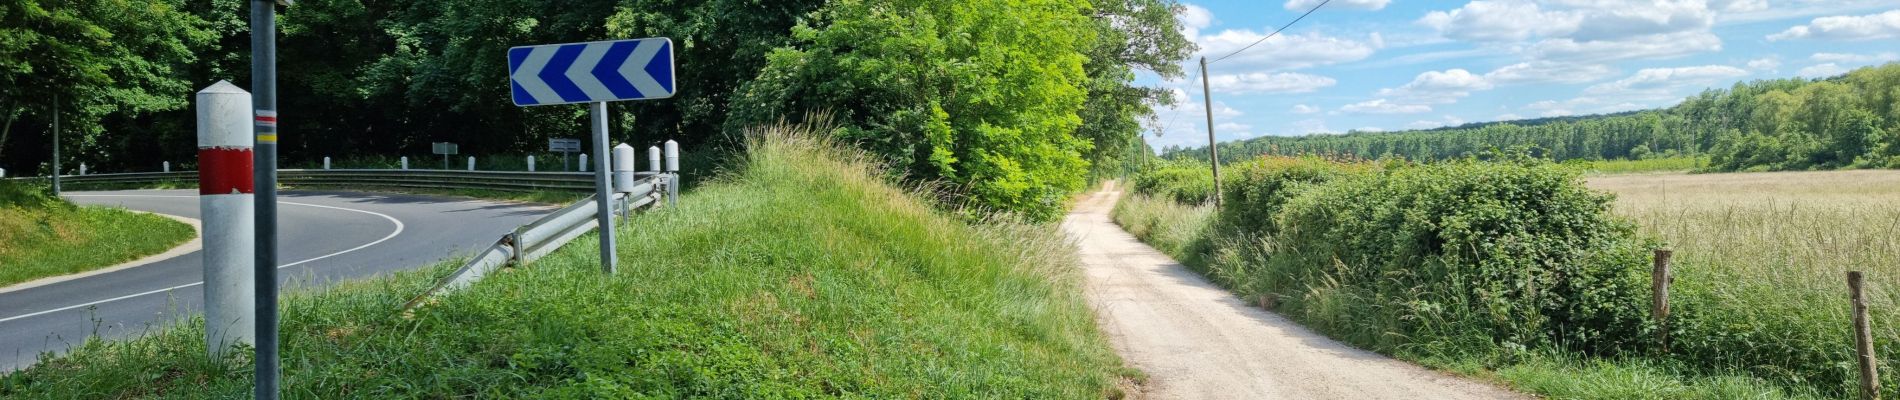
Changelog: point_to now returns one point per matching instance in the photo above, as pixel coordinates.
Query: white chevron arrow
(582, 72)
(529, 75)
(635, 69)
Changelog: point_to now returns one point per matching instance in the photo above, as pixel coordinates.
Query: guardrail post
(531, 163)
(229, 211)
(471, 163)
(405, 162)
(326, 163)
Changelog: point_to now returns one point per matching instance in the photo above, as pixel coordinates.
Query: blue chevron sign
(633, 69)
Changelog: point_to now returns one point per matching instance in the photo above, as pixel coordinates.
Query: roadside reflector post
(530, 163)
(326, 163)
(623, 168)
(226, 203)
(653, 158)
(471, 163)
(167, 167)
(82, 169)
(405, 162)
(673, 173)
(583, 164)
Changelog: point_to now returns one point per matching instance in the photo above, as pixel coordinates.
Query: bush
(1511, 255)
(1183, 182)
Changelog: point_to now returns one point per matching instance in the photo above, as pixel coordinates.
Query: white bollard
(326, 163)
(82, 168)
(653, 158)
(583, 162)
(405, 162)
(672, 156)
(228, 210)
(168, 166)
(530, 163)
(3, 172)
(471, 163)
(623, 168)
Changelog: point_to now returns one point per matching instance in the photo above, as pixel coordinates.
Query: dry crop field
(1772, 249)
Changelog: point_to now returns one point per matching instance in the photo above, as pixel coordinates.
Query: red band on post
(224, 170)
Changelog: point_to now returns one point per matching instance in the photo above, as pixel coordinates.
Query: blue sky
(1400, 64)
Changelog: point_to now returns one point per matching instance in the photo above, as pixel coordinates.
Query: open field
(43, 237)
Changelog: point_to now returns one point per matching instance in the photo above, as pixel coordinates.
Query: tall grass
(801, 274)
(42, 236)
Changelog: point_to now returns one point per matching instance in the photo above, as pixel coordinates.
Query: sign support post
(603, 189)
(264, 97)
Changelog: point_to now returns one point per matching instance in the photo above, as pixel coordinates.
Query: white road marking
(392, 235)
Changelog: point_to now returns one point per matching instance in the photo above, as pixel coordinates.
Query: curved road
(324, 237)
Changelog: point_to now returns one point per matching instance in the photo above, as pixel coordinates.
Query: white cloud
(1508, 117)
(1304, 109)
(1822, 70)
(1282, 52)
(1738, 5)
(1855, 58)
(1765, 64)
(1842, 27)
(1274, 82)
(1494, 21)
(1624, 20)
(1436, 123)
(1650, 46)
(1439, 86)
(1661, 82)
(1381, 106)
(1232, 127)
(1193, 19)
(1368, 5)
(1548, 72)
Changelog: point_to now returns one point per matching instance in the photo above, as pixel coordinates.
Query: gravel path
(1196, 341)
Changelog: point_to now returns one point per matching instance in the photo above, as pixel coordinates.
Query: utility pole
(264, 98)
(1213, 148)
(55, 144)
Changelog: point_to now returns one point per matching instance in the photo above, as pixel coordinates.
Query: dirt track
(1197, 341)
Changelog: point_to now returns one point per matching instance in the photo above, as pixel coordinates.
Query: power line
(1177, 107)
(1275, 32)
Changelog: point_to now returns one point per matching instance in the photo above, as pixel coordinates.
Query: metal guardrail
(539, 238)
(352, 178)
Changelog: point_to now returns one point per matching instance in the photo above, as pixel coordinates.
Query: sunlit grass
(801, 275)
(44, 237)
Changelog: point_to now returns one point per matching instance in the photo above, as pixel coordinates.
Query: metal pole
(264, 94)
(228, 206)
(603, 188)
(1213, 152)
(56, 145)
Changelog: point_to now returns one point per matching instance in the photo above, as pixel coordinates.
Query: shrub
(1461, 256)
(1187, 183)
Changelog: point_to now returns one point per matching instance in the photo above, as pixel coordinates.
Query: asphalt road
(324, 237)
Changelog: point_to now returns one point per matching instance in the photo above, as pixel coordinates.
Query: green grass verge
(1181, 231)
(797, 276)
(42, 237)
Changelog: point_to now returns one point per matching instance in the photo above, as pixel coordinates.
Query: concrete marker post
(583, 164)
(228, 209)
(405, 162)
(82, 169)
(471, 163)
(167, 166)
(326, 163)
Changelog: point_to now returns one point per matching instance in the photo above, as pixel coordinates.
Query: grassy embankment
(41, 236)
(1760, 304)
(801, 274)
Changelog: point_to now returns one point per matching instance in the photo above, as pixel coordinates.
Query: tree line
(1847, 121)
(1016, 102)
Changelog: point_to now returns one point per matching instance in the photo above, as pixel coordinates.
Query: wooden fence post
(1660, 278)
(1863, 340)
